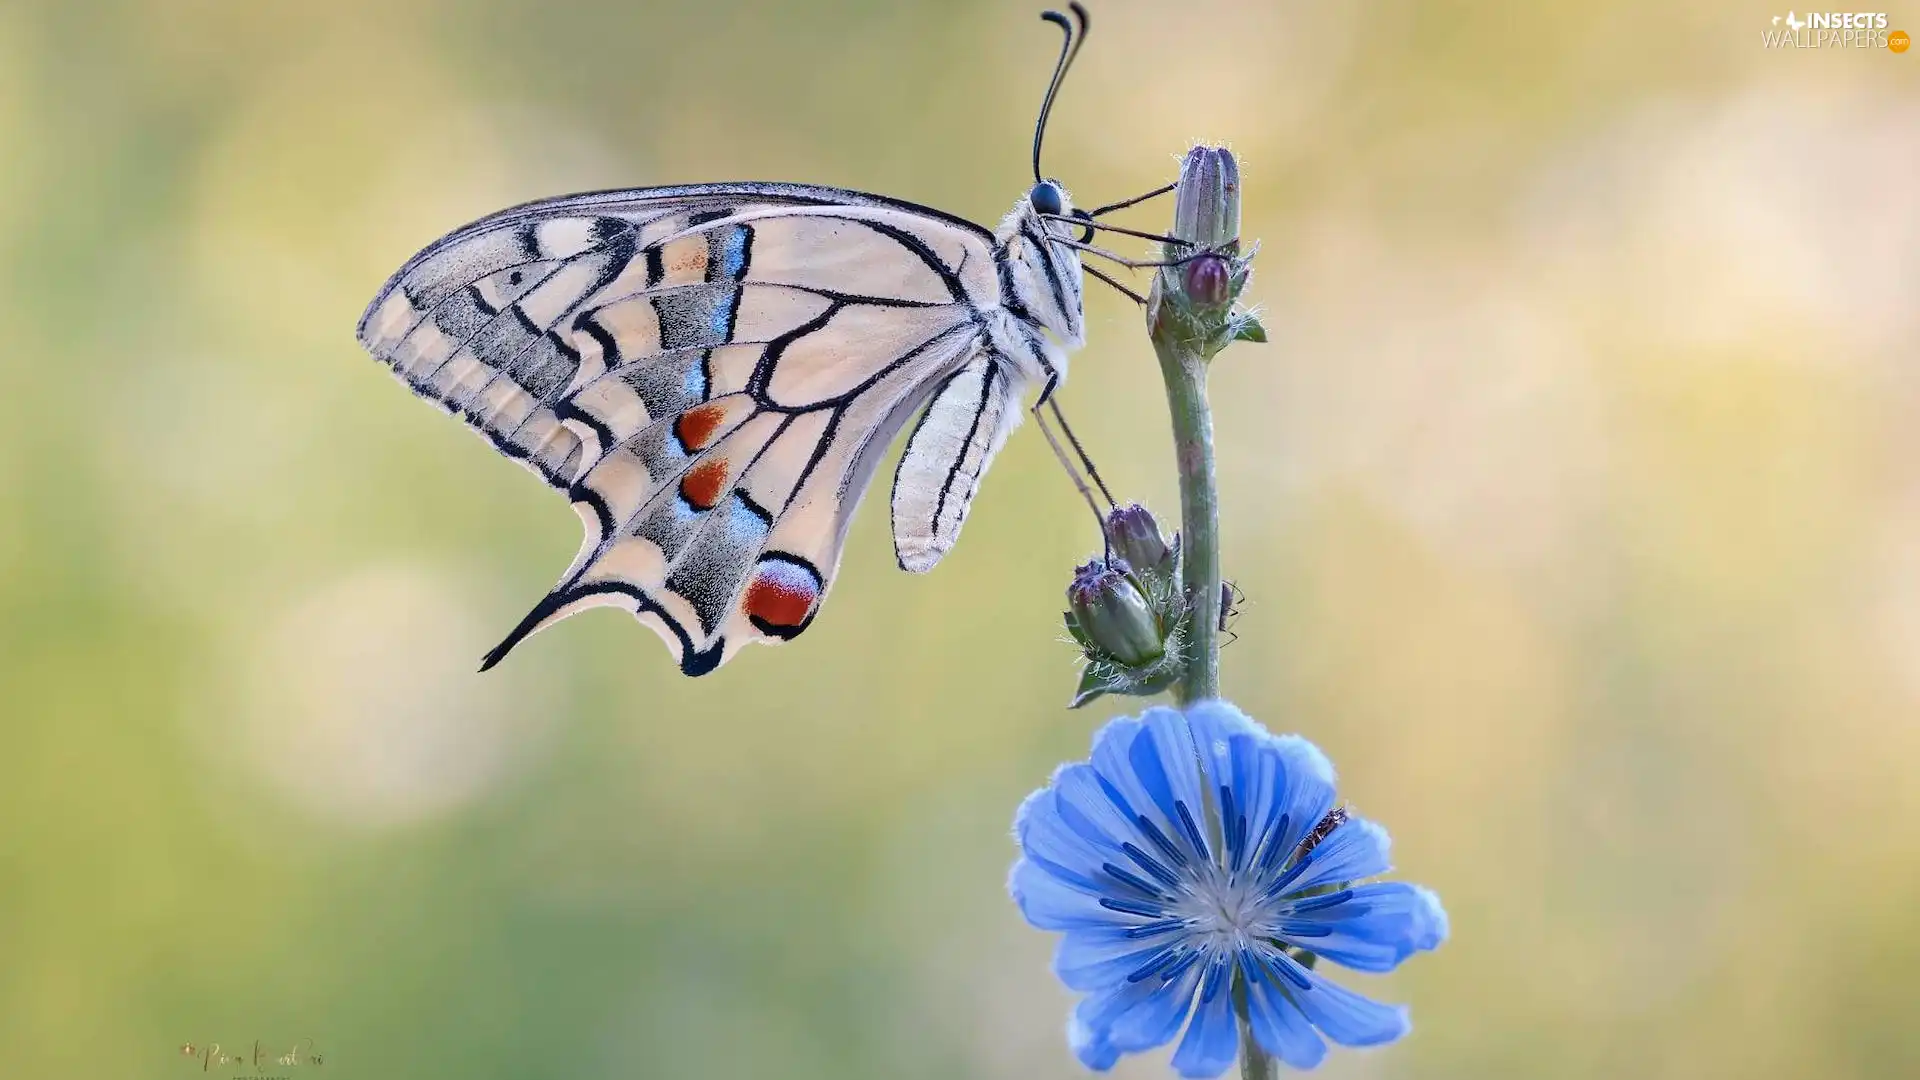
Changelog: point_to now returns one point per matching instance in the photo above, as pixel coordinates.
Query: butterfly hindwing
(733, 534)
(710, 373)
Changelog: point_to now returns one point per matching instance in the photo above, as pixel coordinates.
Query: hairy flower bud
(1209, 281)
(1113, 615)
(1206, 209)
(1130, 622)
(1191, 307)
(1135, 537)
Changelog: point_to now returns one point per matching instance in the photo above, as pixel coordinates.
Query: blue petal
(1231, 748)
(1057, 847)
(1130, 863)
(1344, 1016)
(1120, 783)
(1214, 720)
(1278, 1023)
(1084, 805)
(1376, 927)
(1164, 760)
(1048, 838)
(1211, 1041)
(1157, 1018)
(1136, 1016)
(1214, 723)
(1052, 904)
(1434, 927)
(1090, 1046)
(1098, 959)
(1355, 849)
(1292, 791)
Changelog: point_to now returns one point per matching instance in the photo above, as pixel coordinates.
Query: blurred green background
(1575, 502)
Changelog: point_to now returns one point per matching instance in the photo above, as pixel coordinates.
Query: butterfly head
(1049, 200)
(1040, 266)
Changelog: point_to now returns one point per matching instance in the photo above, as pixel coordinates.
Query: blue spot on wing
(747, 523)
(733, 253)
(696, 381)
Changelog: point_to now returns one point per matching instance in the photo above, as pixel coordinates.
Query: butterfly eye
(1086, 237)
(1046, 198)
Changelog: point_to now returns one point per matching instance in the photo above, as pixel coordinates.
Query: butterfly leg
(1066, 463)
(1080, 451)
(1162, 237)
(1124, 203)
(1133, 264)
(1128, 293)
(1046, 392)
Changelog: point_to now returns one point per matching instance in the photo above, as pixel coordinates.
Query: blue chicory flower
(1197, 851)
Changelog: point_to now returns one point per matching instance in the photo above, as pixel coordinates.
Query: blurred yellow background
(1575, 503)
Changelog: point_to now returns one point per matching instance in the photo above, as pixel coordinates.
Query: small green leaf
(1091, 686)
(1159, 681)
(1248, 328)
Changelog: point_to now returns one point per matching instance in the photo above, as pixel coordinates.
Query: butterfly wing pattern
(712, 373)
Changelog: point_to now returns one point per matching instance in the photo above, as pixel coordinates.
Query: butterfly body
(712, 373)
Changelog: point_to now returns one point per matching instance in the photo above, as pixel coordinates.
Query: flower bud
(1135, 537)
(1110, 613)
(1206, 209)
(1190, 309)
(1209, 281)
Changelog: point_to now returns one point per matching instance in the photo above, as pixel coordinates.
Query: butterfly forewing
(711, 374)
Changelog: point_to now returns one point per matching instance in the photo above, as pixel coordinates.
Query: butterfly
(711, 373)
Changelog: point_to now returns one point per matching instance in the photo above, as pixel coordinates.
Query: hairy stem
(1185, 372)
(1254, 1062)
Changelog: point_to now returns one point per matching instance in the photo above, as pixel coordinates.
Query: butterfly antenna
(1069, 48)
(1085, 461)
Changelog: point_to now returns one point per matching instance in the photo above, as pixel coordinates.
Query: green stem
(1185, 372)
(1254, 1062)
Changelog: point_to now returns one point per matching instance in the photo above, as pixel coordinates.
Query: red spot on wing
(695, 427)
(702, 484)
(777, 599)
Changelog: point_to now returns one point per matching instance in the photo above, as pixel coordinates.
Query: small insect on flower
(1197, 860)
(1335, 818)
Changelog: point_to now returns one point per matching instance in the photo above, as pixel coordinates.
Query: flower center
(1222, 909)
